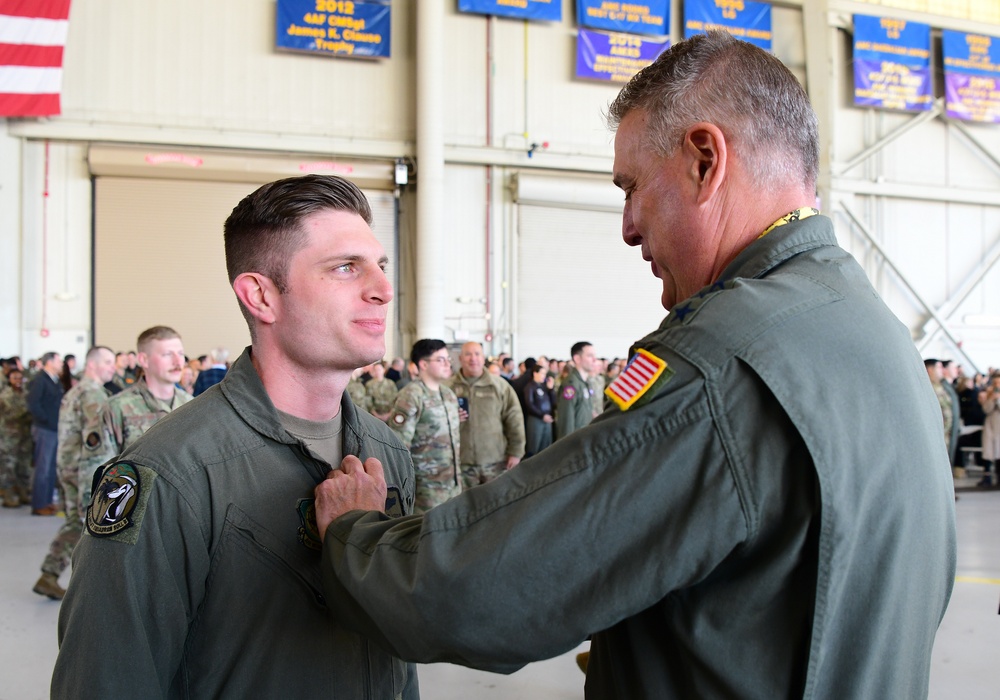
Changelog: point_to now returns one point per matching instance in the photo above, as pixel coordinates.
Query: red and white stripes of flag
(636, 379)
(32, 37)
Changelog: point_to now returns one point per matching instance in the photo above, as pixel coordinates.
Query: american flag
(32, 36)
(641, 373)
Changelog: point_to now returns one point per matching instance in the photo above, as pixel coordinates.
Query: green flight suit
(759, 524)
(210, 587)
(574, 404)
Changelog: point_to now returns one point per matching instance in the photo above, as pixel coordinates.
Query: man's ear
(707, 146)
(258, 295)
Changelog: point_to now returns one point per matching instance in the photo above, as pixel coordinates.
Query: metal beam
(903, 128)
(927, 193)
(950, 306)
(906, 283)
(977, 145)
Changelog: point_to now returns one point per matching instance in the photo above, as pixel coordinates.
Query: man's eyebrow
(351, 258)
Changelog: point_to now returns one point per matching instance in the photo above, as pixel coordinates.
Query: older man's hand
(354, 486)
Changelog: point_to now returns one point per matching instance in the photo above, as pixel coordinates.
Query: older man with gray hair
(735, 525)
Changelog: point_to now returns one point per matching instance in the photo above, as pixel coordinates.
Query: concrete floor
(966, 661)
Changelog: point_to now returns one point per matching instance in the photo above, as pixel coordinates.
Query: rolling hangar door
(576, 278)
(158, 248)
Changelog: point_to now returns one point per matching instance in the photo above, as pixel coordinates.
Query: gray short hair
(749, 94)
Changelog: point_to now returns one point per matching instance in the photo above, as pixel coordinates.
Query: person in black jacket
(538, 402)
(45, 393)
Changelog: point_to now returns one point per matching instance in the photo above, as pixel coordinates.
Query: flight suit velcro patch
(93, 440)
(634, 386)
(119, 501)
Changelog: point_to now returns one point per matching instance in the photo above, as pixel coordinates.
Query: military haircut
(264, 230)
(577, 348)
(47, 357)
(95, 351)
(155, 333)
(424, 348)
(745, 91)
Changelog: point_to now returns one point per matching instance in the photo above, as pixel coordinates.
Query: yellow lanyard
(797, 215)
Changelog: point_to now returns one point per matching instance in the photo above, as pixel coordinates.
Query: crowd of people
(970, 412)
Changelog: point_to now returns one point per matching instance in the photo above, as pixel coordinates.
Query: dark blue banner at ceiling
(892, 64)
(614, 57)
(971, 76)
(650, 17)
(749, 21)
(549, 10)
(335, 27)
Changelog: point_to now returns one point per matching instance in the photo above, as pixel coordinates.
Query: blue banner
(549, 10)
(749, 21)
(892, 64)
(649, 17)
(335, 27)
(971, 76)
(614, 57)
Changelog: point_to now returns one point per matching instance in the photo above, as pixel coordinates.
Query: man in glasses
(425, 416)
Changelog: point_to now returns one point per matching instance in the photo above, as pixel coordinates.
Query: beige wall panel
(160, 260)
(190, 63)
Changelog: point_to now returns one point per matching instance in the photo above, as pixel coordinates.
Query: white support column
(430, 170)
(822, 86)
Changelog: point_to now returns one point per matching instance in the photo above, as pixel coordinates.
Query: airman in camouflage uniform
(425, 416)
(80, 416)
(382, 392)
(357, 392)
(127, 416)
(15, 443)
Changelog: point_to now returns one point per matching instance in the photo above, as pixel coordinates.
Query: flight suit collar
(780, 244)
(244, 390)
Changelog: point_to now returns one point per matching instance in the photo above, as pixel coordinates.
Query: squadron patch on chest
(115, 500)
(568, 393)
(308, 530)
(643, 372)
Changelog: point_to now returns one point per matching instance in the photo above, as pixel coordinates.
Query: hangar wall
(921, 213)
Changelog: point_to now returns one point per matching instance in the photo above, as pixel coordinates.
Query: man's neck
(164, 392)
(432, 384)
(583, 373)
(314, 396)
(471, 377)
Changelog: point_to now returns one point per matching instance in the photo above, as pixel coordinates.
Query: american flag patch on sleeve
(639, 376)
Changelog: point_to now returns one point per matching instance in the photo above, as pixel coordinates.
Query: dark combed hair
(264, 230)
(424, 348)
(578, 348)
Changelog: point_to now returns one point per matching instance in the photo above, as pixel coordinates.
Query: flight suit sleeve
(513, 422)
(124, 621)
(598, 527)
